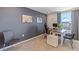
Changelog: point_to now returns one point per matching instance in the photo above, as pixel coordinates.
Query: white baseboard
(2, 49)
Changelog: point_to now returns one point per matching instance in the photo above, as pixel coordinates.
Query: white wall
(51, 18)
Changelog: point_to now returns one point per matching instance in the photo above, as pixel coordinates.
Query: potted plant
(60, 26)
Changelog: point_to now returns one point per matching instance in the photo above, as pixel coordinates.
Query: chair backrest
(70, 35)
(2, 40)
(8, 35)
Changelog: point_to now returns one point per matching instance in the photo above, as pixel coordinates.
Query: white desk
(61, 39)
(52, 40)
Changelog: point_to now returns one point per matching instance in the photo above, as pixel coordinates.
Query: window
(66, 20)
(66, 17)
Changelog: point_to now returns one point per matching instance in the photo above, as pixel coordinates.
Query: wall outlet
(22, 35)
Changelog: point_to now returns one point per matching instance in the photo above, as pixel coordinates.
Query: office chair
(70, 37)
(2, 40)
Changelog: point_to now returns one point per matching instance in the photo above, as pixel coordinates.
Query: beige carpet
(39, 44)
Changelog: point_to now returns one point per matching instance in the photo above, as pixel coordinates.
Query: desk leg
(61, 39)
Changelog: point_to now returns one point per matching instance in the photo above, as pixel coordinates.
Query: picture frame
(39, 20)
(26, 19)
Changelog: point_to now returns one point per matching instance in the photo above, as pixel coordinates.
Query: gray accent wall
(11, 19)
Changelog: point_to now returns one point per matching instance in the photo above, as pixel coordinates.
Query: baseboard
(3, 49)
(77, 41)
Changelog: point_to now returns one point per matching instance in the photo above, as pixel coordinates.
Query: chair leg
(4, 45)
(71, 41)
(64, 41)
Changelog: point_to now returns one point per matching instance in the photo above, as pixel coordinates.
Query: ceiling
(48, 10)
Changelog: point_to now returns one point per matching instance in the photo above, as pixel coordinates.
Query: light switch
(22, 35)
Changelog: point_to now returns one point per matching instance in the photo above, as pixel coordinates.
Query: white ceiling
(48, 10)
